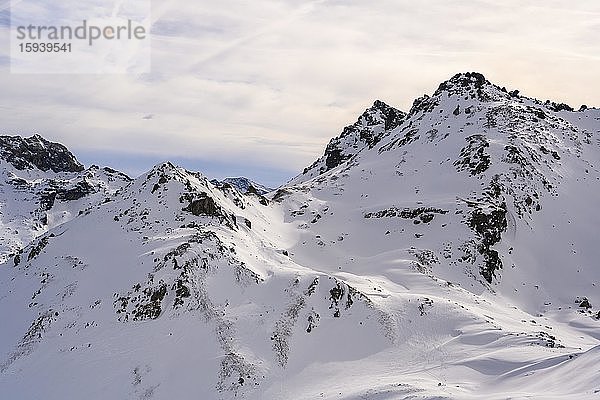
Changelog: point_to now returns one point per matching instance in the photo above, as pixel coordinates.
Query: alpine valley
(447, 252)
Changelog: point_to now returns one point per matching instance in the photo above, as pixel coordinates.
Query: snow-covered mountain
(244, 185)
(447, 252)
(366, 132)
(43, 185)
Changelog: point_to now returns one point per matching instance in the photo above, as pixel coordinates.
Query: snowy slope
(478, 178)
(187, 267)
(447, 252)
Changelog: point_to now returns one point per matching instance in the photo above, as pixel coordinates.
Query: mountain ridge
(37, 152)
(442, 253)
(244, 185)
(42, 184)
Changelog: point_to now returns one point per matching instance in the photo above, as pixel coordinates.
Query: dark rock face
(376, 115)
(143, 306)
(471, 85)
(80, 190)
(370, 128)
(473, 157)
(423, 104)
(585, 303)
(203, 206)
(489, 226)
(37, 152)
(393, 117)
(47, 199)
(465, 80)
(334, 157)
(424, 214)
(559, 106)
(56, 191)
(243, 185)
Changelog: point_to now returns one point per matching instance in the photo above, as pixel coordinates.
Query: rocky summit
(449, 251)
(37, 152)
(43, 185)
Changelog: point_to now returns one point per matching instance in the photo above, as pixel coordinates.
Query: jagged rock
(205, 205)
(244, 185)
(472, 85)
(585, 303)
(37, 152)
(364, 133)
(490, 226)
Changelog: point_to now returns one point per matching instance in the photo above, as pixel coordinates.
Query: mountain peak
(244, 185)
(382, 112)
(366, 132)
(469, 226)
(466, 79)
(471, 84)
(166, 166)
(467, 87)
(37, 152)
(167, 171)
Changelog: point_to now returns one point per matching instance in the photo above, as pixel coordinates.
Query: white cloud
(271, 81)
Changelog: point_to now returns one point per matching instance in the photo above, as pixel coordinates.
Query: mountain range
(446, 252)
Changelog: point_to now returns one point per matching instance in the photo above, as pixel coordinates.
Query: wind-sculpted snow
(445, 253)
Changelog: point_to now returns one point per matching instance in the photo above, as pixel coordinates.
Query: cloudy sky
(257, 88)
